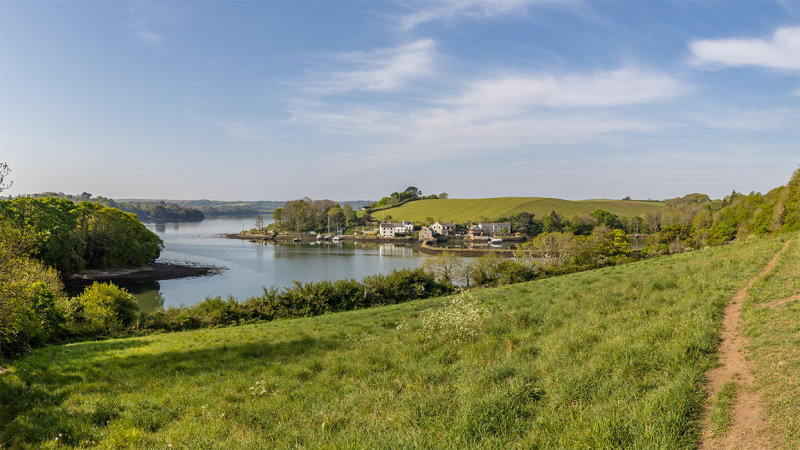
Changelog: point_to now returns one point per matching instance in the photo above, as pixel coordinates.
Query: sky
(276, 100)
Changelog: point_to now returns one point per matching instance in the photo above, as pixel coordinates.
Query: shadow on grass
(38, 398)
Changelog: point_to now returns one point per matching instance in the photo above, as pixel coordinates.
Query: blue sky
(356, 99)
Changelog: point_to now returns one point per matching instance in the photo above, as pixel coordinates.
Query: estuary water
(254, 265)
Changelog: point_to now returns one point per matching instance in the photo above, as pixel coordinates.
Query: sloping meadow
(771, 317)
(613, 357)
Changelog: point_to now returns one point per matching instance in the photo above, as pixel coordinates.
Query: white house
(392, 229)
(495, 227)
(443, 228)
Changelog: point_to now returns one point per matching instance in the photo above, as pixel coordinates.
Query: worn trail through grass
(748, 428)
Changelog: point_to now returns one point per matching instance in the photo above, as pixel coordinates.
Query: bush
(105, 307)
(28, 318)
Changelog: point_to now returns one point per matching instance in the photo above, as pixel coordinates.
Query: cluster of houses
(406, 228)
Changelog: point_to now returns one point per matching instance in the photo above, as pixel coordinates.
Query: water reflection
(253, 265)
(148, 295)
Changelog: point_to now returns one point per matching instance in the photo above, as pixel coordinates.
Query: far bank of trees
(70, 237)
(318, 215)
(695, 221)
(145, 211)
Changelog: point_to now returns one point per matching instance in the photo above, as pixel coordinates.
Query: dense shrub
(105, 308)
(300, 300)
(31, 297)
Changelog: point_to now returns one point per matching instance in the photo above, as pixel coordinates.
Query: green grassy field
(461, 210)
(613, 357)
(774, 332)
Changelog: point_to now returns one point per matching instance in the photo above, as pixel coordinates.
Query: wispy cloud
(380, 70)
(625, 86)
(774, 119)
(241, 132)
(781, 51)
(436, 10)
(142, 17)
(501, 115)
(151, 38)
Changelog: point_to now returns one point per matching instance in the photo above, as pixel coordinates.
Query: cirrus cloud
(781, 52)
(379, 70)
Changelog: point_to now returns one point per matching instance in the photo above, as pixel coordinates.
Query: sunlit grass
(607, 358)
(774, 334)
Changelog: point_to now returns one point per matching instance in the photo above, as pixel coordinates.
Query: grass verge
(774, 351)
(613, 357)
(721, 415)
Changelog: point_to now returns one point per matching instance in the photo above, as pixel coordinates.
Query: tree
(260, 222)
(350, 218)
(653, 220)
(336, 218)
(580, 224)
(525, 223)
(447, 268)
(4, 171)
(552, 223)
(443, 195)
(549, 248)
(606, 218)
(412, 192)
(607, 242)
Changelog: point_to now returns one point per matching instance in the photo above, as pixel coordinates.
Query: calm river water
(254, 265)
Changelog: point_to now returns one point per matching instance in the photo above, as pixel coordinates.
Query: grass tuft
(721, 414)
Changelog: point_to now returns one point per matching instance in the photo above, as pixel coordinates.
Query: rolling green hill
(609, 358)
(462, 210)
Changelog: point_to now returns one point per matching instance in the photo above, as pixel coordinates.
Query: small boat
(336, 238)
(296, 240)
(495, 240)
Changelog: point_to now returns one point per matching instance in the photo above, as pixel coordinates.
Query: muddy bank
(152, 272)
(288, 238)
(428, 249)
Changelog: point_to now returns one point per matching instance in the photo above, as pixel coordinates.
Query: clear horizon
(351, 100)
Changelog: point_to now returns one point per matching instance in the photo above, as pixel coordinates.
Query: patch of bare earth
(750, 429)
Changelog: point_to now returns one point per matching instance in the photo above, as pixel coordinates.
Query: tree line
(307, 215)
(72, 237)
(158, 210)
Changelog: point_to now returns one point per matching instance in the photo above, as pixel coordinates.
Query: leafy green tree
(525, 223)
(791, 205)
(606, 218)
(608, 242)
(552, 223)
(580, 224)
(336, 218)
(350, 218)
(50, 223)
(108, 237)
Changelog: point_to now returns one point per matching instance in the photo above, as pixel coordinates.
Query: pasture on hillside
(463, 210)
(613, 357)
(771, 316)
